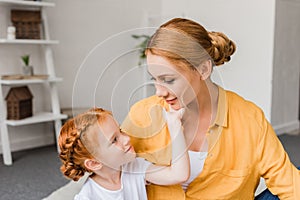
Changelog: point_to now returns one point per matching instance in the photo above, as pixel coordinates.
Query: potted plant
(142, 46)
(26, 68)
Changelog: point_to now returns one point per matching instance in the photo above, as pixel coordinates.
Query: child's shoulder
(85, 190)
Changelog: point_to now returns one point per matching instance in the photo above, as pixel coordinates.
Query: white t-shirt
(132, 185)
(197, 160)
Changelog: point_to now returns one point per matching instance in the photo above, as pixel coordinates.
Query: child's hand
(173, 118)
(179, 170)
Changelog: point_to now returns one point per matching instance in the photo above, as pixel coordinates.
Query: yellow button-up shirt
(242, 148)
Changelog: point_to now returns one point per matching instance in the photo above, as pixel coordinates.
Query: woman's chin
(175, 107)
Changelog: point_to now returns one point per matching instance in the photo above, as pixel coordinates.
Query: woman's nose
(161, 91)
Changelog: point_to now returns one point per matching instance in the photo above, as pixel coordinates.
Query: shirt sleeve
(281, 176)
(139, 165)
(148, 132)
(80, 197)
(143, 165)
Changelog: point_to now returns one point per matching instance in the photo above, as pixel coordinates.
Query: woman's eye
(168, 81)
(163, 80)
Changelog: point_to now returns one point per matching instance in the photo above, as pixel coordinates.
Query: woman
(231, 144)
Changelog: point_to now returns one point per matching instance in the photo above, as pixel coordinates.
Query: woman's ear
(92, 165)
(205, 69)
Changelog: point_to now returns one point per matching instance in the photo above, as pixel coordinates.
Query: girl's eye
(152, 79)
(114, 140)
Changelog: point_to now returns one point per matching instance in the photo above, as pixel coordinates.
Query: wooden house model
(19, 103)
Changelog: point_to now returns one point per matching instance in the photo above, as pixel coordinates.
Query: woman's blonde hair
(73, 152)
(183, 41)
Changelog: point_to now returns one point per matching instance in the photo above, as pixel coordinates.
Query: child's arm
(179, 170)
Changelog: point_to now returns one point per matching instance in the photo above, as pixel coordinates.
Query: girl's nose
(161, 91)
(125, 140)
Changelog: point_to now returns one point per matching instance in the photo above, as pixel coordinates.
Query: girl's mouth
(130, 149)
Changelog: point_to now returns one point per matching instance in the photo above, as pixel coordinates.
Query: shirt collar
(221, 117)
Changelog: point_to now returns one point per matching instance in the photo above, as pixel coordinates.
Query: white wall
(286, 72)
(100, 32)
(80, 26)
(250, 24)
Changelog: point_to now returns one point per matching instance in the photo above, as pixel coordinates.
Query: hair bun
(222, 48)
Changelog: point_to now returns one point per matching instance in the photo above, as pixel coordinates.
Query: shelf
(36, 118)
(55, 116)
(29, 81)
(27, 41)
(27, 3)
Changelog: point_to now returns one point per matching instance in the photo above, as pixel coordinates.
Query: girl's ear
(92, 165)
(205, 69)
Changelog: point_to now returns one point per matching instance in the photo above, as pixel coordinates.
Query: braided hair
(73, 153)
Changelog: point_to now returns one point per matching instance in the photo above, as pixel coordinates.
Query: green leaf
(142, 46)
(25, 59)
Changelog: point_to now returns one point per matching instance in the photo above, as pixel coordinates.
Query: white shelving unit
(19, 41)
(29, 81)
(55, 115)
(36, 118)
(27, 3)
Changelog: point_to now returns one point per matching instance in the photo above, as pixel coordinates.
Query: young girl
(93, 142)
